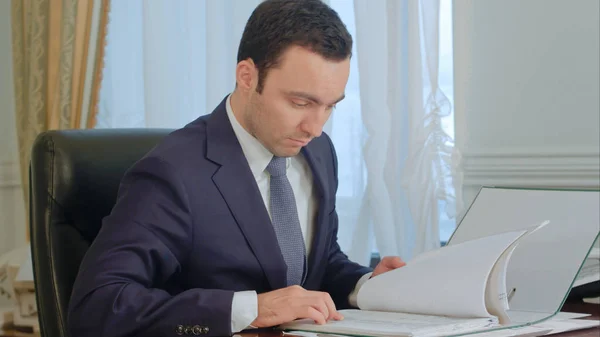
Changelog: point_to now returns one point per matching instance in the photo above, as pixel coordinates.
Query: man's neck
(237, 105)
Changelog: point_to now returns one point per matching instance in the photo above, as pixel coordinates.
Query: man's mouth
(300, 142)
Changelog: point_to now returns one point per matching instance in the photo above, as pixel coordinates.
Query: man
(230, 223)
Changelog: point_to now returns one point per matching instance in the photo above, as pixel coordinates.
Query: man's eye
(299, 104)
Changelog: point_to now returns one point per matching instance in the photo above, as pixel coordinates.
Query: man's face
(297, 99)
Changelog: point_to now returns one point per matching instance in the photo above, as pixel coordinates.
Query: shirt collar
(257, 155)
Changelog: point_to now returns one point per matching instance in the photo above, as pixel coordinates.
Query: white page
(450, 281)
(496, 295)
(372, 323)
(562, 315)
(594, 253)
(590, 272)
(528, 331)
(554, 325)
(564, 325)
(553, 255)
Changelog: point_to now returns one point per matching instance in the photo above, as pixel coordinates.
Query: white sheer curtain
(170, 62)
(394, 135)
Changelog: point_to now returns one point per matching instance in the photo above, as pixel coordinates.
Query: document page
(564, 325)
(496, 295)
(590, 271)
(372, 323)
(450, 281)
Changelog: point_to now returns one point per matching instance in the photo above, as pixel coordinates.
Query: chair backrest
(74, 179)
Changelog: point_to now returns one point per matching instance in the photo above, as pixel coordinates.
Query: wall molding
(9, 174)
(533, 167)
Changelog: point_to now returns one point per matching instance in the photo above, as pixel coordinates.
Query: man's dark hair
(276, 25)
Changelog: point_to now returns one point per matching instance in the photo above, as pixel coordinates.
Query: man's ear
(246, 75)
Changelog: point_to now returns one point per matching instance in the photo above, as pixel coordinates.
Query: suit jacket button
(196, 330)
(179, 330)
(188, 330)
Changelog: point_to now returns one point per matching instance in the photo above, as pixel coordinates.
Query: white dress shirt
(244, 308)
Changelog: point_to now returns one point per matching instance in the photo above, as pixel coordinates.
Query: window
(346, 127)
(447, 225)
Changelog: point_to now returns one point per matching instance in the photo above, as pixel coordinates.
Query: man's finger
(316, 303)
(394, 262)
(333, 314)
(322, 307)
(337, 316)
(314, 314)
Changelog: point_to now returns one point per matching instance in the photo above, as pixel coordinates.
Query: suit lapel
(238, 187)
(319, 172)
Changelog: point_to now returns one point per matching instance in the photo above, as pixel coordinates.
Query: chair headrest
(79, 171)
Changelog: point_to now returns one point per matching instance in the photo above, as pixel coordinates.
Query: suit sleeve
(143, 243)
(342, 275)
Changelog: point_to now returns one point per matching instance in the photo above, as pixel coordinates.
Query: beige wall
(527, 92)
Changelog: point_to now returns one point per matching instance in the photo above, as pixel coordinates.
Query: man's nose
(313, 125)
(312, 130)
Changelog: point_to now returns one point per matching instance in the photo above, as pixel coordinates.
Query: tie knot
(277, 166)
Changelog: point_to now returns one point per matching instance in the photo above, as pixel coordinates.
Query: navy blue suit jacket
(189, 228)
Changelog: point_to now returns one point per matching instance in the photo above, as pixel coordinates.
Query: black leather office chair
(74, 179)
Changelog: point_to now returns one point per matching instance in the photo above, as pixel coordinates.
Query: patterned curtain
(58, 49)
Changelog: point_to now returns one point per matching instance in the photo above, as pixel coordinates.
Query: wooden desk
(593, 309)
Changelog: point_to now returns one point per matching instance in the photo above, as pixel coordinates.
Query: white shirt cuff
(353, 297)
(244, 310)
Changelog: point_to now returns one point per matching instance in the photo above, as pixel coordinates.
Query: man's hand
(291, 303)
(388, 263)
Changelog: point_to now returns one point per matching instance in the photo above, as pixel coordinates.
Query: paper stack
(562, 322)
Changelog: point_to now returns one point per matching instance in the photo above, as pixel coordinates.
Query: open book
(452, 290)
